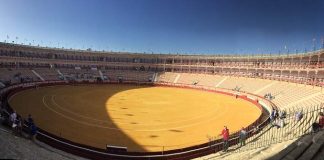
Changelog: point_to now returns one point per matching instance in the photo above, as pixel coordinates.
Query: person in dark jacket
(243, 134)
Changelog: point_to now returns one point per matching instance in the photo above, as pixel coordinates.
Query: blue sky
(166, 26)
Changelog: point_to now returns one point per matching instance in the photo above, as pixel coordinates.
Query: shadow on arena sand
(77, 113)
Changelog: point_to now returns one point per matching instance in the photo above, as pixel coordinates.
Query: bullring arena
(143, 118)
(103, 105)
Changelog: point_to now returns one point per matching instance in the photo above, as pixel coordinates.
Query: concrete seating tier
(14, 75)
(48, 73)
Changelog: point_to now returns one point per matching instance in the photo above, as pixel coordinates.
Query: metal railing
(293, 128)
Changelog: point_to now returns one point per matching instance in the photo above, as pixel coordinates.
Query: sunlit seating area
(285, 94)
(199, 79)
(167, 77)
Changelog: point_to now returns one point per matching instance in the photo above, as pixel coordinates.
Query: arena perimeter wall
(183, 153)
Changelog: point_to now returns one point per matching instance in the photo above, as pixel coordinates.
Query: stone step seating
(294, 99)
(245, 84)
(14, 74)
(258, 153)
(209, 80)
(14, 147)
(286, 94)
(276, 89)
(168, 77)
(6, 75)
(114, 75)
(306, 148)
(201, 79)
(47, 73)
(187, 78)
(79, 73)
(273, 150)
(292, 94)
(316, 100)
(320, 153)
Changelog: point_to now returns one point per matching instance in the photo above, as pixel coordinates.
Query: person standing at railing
(282, 114)
(33, 131)
(242, 137)
(273, 115)
(13, 117)
(321, 120)
(225, 134)
(29, 120)
(19, 126)
(255, 129)
(298, 115)
(31, 127)
(317, 126)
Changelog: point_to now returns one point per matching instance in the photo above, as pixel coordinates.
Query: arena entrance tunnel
(114, 122)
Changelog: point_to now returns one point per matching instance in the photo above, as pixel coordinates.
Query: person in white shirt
(13, 117)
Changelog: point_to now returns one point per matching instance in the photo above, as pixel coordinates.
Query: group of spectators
(225, 134)
(298, 115)
(17, 123)
(268, 96)
(277, 118)
(237, 88)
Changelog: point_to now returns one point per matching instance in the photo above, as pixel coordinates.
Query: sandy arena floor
(143, 118)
